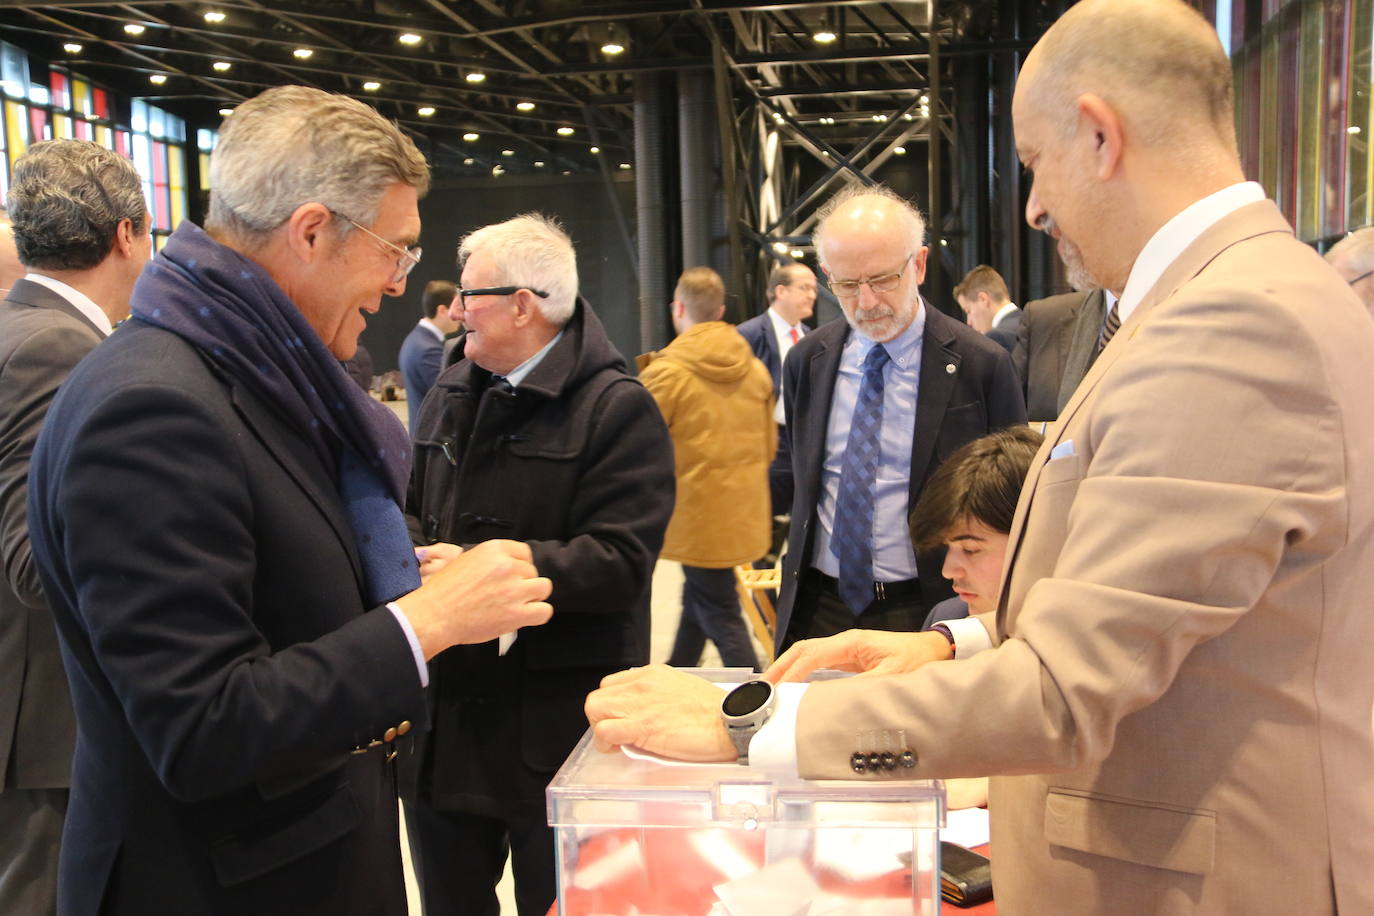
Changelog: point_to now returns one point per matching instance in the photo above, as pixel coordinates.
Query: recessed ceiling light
(524, 106)
(72, 47)
(409, 38)
(779, 247)
(925, 100)
(565, 131)
(507, 152)
(470, 136)
(900, 150)
(134, 28)
(476, 76)
(221, 65)
(797, 253)
(944, 243)
(214, 16)
(880, 118)
(611, 49)
(1353, 129)
(371, 86)
(625, 166)
(425, 111)
(595, 150)
(777, 117)
(824, 37)
(497, 171)
(225, 112)
(302, 53)
(469, 161)
(908, 117)
(539, 163)
(567, 171)
(157, 79)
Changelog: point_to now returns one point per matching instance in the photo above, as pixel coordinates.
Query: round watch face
(747, 698)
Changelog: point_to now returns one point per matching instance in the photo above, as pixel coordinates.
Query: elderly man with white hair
(215, 510)
(537, 434)
(874, 403)
(1353, 259)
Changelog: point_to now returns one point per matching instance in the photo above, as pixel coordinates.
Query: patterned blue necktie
(852, 539)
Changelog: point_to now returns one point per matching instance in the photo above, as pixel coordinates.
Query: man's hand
(660, 710)
(435, 557)
(485, 591)
(869, 652)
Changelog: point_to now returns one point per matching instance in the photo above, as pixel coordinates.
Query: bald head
(1156, 62)
(1353, 259)
(871, 209)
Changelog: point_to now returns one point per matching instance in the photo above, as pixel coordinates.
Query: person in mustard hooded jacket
(717, 399)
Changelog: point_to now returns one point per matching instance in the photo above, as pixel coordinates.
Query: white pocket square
(1062, 450)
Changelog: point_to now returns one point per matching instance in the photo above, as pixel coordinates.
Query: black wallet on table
(965, 876)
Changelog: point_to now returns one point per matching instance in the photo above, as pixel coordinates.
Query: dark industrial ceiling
(526, 85)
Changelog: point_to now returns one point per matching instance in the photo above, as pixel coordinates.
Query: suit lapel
(822, 370)
(36, 295)
(936, 387)
(1249, 221)
(303, 465)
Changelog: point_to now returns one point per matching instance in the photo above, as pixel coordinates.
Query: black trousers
(820, 612)
(459, 859)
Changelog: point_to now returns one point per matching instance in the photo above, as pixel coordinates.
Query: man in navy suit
(214, 509)
(422, 352)
(874, 404)
(791, 300)
(77, 286)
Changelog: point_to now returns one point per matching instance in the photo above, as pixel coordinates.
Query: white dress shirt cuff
(970, 636)
(774, 746)
(414, 641)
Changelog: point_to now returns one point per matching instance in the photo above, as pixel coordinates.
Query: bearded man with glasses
(874, 404)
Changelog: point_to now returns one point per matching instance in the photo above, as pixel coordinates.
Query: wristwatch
(744, 710)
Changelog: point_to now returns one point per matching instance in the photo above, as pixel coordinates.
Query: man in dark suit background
(987, 305)
(422, 352)
(1057, 343)
(874, 404)
(77, 287)
(791, 300)
(215, 514)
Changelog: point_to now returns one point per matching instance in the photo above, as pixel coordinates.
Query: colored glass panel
(16, 129)
(104, 136)
(100, 104)
(176, 184)
(59, 90)
(39, 129)
(84, 130)
(62, 127)
(162, 218)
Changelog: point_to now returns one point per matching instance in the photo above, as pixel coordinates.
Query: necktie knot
(876, 359)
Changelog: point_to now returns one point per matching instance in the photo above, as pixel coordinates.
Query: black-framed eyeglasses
(848, 289)
(407, 258)
(1367, 273)
(463, 294)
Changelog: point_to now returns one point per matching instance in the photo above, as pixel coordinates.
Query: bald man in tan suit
(1174, 695)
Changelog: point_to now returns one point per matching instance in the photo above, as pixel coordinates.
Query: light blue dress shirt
(894, 559)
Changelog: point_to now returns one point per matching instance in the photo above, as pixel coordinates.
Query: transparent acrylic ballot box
(638, 837)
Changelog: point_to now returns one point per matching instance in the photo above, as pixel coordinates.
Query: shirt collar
(1003, 312)
(518, 374)
(80, 300)
(433, 328)
(903, 348)
(1177, 234)
(780, 323)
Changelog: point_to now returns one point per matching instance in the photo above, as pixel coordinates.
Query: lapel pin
(949, 368)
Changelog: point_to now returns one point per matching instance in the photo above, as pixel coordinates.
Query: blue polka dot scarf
(228, 307)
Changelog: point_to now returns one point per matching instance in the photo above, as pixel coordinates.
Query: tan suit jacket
(1182, 672)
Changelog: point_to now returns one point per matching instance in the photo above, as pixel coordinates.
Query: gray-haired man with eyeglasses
(874, 403)
(1353, 259)
(537, 434)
